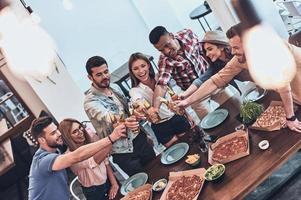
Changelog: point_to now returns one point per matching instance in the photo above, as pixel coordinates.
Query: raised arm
(287, 100)
(192, 88)
(159, 91)
(102, 154)
(164, 77)
(89, 150)
(219, 80)
(204, 90)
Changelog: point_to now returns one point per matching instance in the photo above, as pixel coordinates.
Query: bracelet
(292, 118)
(110, 139)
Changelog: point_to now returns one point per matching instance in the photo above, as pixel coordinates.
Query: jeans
(97, 192)
(132, 163)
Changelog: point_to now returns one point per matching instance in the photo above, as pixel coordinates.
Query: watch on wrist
(110, 139)
(292, 118)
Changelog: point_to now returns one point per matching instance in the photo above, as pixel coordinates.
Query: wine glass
(131, 112)
(198, 137)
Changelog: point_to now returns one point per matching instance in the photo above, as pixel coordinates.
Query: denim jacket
(98, 106)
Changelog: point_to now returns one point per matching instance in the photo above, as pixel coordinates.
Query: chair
(72, 190)
(295, 39)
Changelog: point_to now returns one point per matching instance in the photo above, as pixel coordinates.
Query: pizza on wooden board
(272, 115)
(186, 187)
(229, 148)
(141, 195)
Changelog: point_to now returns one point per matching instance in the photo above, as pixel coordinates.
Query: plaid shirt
(183, 69)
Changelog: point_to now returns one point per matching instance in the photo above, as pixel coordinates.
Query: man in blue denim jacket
(101, 103)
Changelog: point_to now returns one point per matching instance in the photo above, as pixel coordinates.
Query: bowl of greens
(250, 111)
(215, 172)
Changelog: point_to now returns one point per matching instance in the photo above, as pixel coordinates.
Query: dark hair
(65, 129)
(156, 33)
(38, 125)
(234, 30)
(94, 61)
(136, 56)
(227, 50)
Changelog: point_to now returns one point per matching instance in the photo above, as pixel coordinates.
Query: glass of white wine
(131, 111)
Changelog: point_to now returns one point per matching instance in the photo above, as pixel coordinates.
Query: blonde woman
(95, 174)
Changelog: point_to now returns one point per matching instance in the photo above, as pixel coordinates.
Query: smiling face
(213, 51)
(237, 48)
(77, 134)
(140, 69)
(100, 76)
(168, 45)
(52, 137)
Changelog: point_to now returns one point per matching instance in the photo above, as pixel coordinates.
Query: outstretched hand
(131, 123)
(182, 103)
(118, 132)
(153, 115)
(294, 125)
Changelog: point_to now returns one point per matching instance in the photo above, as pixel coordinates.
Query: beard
(103, 84)
(54, 144)
(241, 58)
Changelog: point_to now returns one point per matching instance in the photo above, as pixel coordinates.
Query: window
(13, 110)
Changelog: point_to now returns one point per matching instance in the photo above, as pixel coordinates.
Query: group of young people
(201, 68)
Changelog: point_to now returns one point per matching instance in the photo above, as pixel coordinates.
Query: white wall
(267, 10)
(113, 29)
(63, 99)
(224, 13)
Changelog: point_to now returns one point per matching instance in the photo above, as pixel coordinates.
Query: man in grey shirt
(47, 176)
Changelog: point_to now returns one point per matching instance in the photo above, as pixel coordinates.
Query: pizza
(141, 195)
(186, 187)
(271, 116)
(230, 148)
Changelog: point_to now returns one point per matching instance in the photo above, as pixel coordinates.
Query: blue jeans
(97, 192)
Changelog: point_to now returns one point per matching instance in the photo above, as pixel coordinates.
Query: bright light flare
(270, 62)
(28, 49)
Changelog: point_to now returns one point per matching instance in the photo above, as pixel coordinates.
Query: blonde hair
(65, 129)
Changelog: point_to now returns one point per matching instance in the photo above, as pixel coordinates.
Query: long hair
(227, 50)
(134, 57)
(65, 129)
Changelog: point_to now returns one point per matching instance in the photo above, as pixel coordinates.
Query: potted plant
(250, 111)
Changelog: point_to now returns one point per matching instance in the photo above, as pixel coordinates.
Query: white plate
(254, 94)
(174, 153)
(214, 118)
(133, 182)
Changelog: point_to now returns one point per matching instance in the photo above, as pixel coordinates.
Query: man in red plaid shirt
(181, 59)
